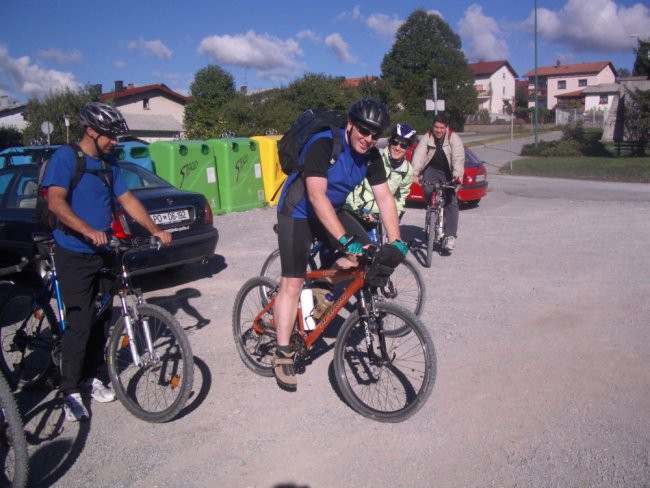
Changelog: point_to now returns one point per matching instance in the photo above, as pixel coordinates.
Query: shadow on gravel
(416, 238)
(53, 457)
(181, 301)
(180, 275)
(197, 398)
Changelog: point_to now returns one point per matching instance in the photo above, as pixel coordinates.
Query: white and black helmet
(371, 114)
(104, 119)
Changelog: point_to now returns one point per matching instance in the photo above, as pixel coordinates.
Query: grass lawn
(583, 168)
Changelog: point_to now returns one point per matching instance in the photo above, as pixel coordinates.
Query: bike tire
(271, 267)
(13, 445)
(397, 388)
(157, 390)
(431, 237)
(409, 285)
(26, 356)
(256, 350)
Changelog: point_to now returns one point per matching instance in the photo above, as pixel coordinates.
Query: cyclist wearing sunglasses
(398, 171)
(311, 206)
(440, 158)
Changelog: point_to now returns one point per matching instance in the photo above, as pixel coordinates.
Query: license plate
(170, 217)
(480, 178)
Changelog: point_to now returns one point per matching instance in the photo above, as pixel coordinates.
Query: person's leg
(451, 215)
(431, 175)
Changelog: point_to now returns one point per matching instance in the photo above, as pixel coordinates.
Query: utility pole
(435, 96)
(536, 97)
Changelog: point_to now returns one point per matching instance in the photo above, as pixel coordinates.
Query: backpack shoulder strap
(337, 144)
(80, 166)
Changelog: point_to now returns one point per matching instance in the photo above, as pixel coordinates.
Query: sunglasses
(403, 145)
(365, 132)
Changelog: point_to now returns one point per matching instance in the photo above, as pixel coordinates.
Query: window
(561, 85)
(503, 75)
(582, 82)
(504, 90)
(479, 88)
(603, 100)
(145, 104)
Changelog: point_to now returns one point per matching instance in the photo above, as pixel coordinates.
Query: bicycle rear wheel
(255, 349)
(408, 285)
(430, 227)
(13, 446)
(271, 267)
(26, 336)
(158, 389)
(392, 385)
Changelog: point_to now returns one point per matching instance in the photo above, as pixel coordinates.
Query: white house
(11, 114)
(565, 80)
(495, 82)
(153, 112)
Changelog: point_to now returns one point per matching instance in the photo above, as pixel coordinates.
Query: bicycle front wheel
(255, 349)
(391, 381)
(408, 287)
(431, 236)
(26, 336)
(13, 446)
(157, 389)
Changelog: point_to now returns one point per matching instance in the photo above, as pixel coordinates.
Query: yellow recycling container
(272, 175)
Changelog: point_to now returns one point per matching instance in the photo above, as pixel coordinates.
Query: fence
(593, 118)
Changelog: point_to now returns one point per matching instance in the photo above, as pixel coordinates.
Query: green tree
(637, 118)
(425, 48)
(623, 72)
(316, 90)
(10, 137)
(642, 61)
(53, 108)
(211, 89)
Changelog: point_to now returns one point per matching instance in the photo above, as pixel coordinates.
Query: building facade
(494, 83)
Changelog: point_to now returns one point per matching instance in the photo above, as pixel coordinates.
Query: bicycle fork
(144, 324)
(365, 317)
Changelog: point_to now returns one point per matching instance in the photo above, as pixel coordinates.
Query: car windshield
(138, 178)
(471, 160)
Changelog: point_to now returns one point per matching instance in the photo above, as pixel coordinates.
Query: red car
(474, 185)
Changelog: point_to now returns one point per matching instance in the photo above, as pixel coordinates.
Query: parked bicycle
(434, 220)
(13, 445)
(384, 358)
(405, 285)
(149, 358)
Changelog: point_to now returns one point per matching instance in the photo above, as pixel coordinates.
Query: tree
(316, 90)
(623, 73)
(425, 48)
(10, 137)
(211, 89)
(642, 61)
(637, 118)
(53, 108)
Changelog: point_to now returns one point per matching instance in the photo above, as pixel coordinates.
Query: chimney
(130, 85)
(557, 63)
(4, 101)
(97, 88)
(119, 86)
(244, 90)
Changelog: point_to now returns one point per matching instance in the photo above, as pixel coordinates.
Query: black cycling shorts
(295, 239)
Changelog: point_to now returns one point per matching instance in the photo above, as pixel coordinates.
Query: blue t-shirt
(90, 199)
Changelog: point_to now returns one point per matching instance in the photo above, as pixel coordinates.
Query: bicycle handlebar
(16, 268)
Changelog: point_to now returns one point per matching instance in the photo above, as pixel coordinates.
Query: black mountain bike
(434, 220)
(150, 362)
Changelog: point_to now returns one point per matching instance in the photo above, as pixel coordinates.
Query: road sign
(432, 106)
(47, 128)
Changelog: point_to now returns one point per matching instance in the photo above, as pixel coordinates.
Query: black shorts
(295, 239)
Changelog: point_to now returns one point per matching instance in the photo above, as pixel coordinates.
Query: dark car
(186, 215)
(474, 185)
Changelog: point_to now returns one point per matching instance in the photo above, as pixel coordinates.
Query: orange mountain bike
(384, 358)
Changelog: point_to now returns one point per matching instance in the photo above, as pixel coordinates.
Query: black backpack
(43, 214)
(309, 123)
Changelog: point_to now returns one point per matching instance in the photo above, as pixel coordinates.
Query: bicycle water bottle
(372, 234)
(307, 307)
(323, 304)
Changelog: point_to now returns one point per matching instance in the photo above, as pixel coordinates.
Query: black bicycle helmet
(104, 119)
(370, 114)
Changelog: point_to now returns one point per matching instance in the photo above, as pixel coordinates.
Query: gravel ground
(540, 321)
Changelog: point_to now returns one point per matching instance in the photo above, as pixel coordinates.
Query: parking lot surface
(540, 321)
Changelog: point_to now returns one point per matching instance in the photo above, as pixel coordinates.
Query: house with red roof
(153, 112)
(494, 82)
(567, 80)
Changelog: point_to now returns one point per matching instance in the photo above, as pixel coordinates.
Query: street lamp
(536, 97)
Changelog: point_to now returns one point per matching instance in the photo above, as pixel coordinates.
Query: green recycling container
(188, 165)
(239, 173)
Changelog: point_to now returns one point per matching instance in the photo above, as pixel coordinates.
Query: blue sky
(52, 44)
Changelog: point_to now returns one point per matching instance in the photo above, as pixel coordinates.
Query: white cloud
(154, 48)
(119, 64)
(72, 56)
(598, 25)
(20, 74)
(435, 12)
(336, 44)
(354, 14)
(274, 58)
(384, 25)
(308, 34)
(482, 36)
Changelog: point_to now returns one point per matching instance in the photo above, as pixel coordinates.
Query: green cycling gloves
(402, 246)
(354, 247)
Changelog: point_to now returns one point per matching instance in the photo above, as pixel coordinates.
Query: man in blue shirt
(310, 207)
(84, 215)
